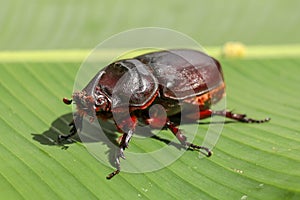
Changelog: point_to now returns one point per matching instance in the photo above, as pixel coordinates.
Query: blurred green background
(250, 161)
(55, 24)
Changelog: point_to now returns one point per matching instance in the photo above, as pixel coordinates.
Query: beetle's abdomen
(205, 101)
(201, 102)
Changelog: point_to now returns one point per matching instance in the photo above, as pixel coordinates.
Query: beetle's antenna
(67, 101)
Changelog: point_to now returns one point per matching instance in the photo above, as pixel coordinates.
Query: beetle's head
(85, 103)
(88, 104)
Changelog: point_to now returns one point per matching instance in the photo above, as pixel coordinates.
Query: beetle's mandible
(172, 78)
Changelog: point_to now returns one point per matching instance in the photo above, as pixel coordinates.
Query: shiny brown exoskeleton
(178, 80)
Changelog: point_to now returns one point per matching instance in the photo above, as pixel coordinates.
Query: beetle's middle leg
(182, 139)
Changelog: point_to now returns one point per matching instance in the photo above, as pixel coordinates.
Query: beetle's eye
(117, 65)
(119, 68)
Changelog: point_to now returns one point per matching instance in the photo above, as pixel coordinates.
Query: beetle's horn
(67, 101)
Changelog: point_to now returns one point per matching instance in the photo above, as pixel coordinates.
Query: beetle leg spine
(239, 117)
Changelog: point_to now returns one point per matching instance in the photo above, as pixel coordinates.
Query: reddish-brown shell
(184, 73)
(127, 82)
(174, 74)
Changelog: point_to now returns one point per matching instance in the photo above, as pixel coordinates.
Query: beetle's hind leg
(228, 114)
(182, 139)
(239, 117)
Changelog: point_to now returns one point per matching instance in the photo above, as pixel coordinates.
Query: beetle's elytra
(172, 78)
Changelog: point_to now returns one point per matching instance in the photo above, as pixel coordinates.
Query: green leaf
(255, 161)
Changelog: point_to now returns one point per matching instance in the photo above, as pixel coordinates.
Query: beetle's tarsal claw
(209, 153)
(61, 138)
(73, 131)
(250, 120)
(112, 174)
(267, 119)
(71, 123)
(239, 117)
(196, 147)
(119, 155)
(64, 147)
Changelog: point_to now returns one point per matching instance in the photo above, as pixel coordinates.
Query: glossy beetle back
(175, 74)
(184, 73)
(129, 83)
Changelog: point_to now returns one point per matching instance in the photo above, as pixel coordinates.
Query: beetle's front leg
(182, 139)
(73, 131)
(128, 126)
(124, 143)
(120, 154)
(77, 121)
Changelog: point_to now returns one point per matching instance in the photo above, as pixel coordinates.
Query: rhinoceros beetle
(172, 78)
